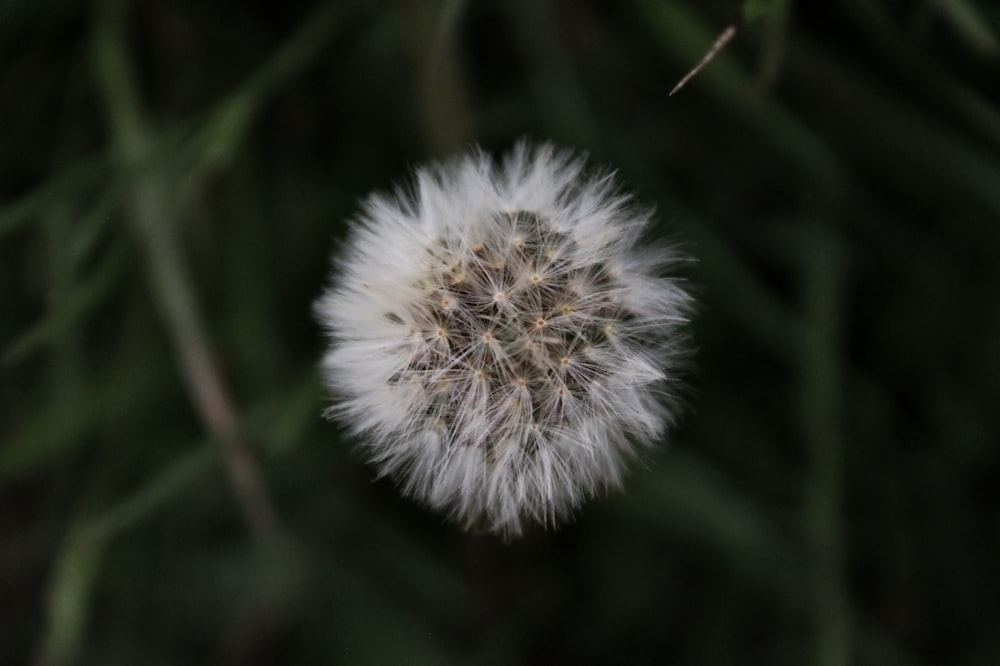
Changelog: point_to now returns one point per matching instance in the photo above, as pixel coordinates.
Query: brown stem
(154, 222)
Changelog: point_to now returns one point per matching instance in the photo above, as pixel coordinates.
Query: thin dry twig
(723, 39)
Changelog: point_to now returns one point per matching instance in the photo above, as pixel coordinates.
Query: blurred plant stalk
(154, 225)
(821, 405)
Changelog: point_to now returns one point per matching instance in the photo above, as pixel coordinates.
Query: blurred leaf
(220, 137)
(69, 598)
(687, 495)
(81, 301)
(908, 145)
(931, 78)
(754, 10)
(554, 79)
(821, 406)
(61, 187)
(52, 432)
(968, 21)
(77, 566)
(164, 487)
(743, 293)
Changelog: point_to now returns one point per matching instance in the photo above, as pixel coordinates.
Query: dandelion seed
(500, 400)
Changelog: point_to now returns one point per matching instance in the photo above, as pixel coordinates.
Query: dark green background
(175, 175)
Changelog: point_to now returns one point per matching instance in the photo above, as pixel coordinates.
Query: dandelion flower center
(569, 319)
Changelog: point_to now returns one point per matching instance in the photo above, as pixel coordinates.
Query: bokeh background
(174, 177)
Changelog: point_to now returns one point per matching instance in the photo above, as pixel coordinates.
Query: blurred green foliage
(175, 175)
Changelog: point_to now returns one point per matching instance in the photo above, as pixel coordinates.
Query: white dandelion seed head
(501, 342)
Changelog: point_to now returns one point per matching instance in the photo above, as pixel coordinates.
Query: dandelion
(501, 342)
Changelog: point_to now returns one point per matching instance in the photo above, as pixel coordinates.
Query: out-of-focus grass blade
(82, 300)
(69, 182)
(78, 562)
(968, 21)
(164, 487)
(82, 176)
(69, 597)
(444, 99)
(61, 427)
(77, 566)
(775, 15)
(220, 137)
(688, 496)
(820, 405)
(92, 225)
(893, 133)
(743, 292)
(754, 10)
(562, 98)
(884, 35)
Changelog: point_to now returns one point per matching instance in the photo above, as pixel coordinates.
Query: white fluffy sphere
(500, 341)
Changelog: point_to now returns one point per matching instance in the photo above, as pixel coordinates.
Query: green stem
(154, 225)
(821, 395)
